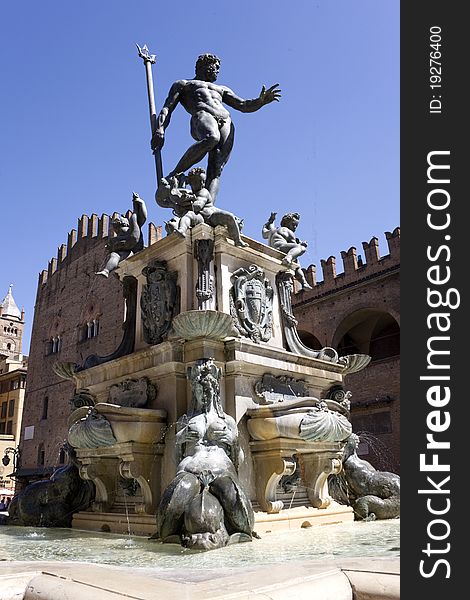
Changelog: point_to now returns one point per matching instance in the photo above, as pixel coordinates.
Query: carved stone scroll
(275, 458)
(102, 473)
(143, 463)
(203, 253)
(285, 286)
(270, 466)
(315, 467)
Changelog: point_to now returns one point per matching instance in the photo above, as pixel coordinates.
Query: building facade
(358, 311)
(13, 369)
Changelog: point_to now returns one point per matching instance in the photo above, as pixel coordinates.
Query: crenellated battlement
(354, 268)
(89, 233)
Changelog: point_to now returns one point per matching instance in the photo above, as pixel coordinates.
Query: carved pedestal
(130, 460)
(315, 467)
(275, 458)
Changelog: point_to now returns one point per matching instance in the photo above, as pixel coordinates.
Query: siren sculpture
(204, 507)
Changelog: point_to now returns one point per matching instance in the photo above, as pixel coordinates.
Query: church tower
(11, 326)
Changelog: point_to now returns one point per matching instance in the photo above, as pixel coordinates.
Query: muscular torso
(197, 96)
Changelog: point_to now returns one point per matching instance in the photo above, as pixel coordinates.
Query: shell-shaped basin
(212, 324)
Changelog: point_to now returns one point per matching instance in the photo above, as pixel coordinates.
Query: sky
(75, 132)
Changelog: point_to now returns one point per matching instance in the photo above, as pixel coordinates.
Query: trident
(149, 60)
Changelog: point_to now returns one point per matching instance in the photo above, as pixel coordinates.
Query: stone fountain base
(132, 524)
(265, 523)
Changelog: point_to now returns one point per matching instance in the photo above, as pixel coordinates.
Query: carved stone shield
(251, 303)
(159, 301)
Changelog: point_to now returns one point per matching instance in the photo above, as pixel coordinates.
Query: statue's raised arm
(266, 96)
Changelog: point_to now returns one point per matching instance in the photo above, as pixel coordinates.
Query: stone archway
(368, 331)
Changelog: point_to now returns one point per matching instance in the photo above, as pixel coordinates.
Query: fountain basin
(141, 425)
(344, 540)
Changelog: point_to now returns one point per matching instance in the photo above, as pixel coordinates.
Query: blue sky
(74, 133)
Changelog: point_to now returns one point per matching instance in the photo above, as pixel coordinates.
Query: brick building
(358, 311)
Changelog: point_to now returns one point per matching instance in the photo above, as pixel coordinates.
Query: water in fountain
(355, 539)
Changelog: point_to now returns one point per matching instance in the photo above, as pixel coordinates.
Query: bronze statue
(283, 239)
(128, 239)
(211, 125)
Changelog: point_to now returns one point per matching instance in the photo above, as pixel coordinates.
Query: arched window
(41, 455)
(54, 345)
(89, 330)
(45, 407)
(61, 456)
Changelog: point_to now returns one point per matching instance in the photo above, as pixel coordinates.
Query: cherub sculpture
(283, 239)
(195, 206)
(128, 239)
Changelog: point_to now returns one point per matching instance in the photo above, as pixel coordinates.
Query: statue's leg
(205, 131)
(218, 158)
(184, 225)
(112, 262)
(293, 252)
(300, 276)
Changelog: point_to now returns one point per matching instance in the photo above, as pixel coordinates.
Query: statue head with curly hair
(290, 220)
(207, 67)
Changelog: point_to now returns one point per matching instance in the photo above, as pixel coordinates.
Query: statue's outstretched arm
(266, 96)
